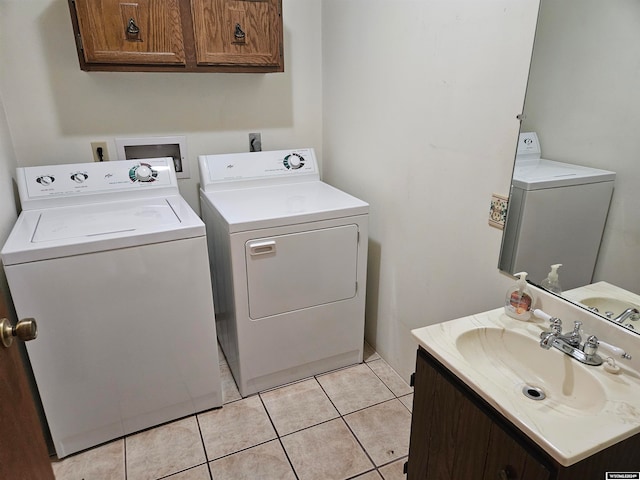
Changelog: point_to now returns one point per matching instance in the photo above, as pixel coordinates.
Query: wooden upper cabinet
(179, 35)
(237, 32)
(142, 31)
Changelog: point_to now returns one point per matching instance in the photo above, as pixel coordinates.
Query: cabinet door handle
(239, 34)
(132, 29)
(505, 473)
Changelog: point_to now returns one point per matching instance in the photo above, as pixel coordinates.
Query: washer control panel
(95, 178)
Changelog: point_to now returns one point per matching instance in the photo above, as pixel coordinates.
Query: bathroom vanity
(471, 418)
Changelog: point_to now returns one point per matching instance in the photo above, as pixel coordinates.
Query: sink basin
(607, 304)
(521, 362)
(584, 409)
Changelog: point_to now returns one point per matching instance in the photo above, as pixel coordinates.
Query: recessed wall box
(154, 147)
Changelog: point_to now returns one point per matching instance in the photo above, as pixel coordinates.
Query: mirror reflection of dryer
(288, 263)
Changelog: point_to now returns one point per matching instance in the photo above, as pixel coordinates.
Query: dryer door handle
(262, 248)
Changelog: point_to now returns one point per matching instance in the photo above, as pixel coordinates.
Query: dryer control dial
(46, 179)
(79, 177)
(293, 161)
(142, 173)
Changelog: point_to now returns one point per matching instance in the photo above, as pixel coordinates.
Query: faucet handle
(577, 325)
(592, 344)
(543, 315)
(554, 322)
(556, 325)
(613, 349)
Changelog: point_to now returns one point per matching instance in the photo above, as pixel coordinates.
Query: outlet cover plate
(498, 210)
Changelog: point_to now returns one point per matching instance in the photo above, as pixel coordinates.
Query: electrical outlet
(255, 143)
(100, 152)
(498, 210)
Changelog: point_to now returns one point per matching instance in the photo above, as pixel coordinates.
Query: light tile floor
(351, 423)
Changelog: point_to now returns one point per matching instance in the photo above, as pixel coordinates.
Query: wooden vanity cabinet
(455, 434)
(179, 35)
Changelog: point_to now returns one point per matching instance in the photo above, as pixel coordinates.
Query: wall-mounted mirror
(583, 101)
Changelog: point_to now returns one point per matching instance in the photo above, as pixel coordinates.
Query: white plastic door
(301, 270)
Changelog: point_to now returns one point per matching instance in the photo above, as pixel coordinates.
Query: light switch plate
(498, 210)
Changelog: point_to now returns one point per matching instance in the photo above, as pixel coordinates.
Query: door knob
(25, 330)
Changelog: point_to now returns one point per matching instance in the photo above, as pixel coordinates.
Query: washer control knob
(294, 161)
(143, 173)
(45, 180)
(79, 177)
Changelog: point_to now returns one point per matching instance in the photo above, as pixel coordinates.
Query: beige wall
(7, 169)
(411, 105)
(55, 110)
(420, 105)
(8, 212)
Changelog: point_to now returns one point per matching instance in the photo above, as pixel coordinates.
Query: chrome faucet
(573, 338)
(571, 342)
(632, 313)
(547, 338)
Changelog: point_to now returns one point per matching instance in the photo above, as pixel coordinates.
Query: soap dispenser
(519, 300)
(551, 283)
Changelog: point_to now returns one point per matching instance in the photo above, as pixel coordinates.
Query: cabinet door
(453, 438)
(449, 434)
(508, 460)
(131, 32)
(238, 32)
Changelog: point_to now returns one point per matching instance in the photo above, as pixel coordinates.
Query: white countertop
(573, 428)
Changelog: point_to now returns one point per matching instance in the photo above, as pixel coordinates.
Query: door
(238, 32)
(129, 32)
(301, 270)
(23, 453)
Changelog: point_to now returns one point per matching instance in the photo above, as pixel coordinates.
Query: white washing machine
(112, 263)
(557, 214)
(288, 259)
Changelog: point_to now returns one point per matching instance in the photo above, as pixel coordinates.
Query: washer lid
(549, 174)
(103, 219)
(275, 206)
(59, 232)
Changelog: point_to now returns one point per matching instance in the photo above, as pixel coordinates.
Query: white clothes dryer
(288, 259)
(112, 263)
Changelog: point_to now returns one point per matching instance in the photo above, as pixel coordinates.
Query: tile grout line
(375, 467)
(204, 447)
(385, 383)
(286, 454)
(395, 397)
(181, 471)
(124, 455)
(341, 417)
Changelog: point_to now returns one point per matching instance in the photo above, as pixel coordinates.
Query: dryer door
(301, 270)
